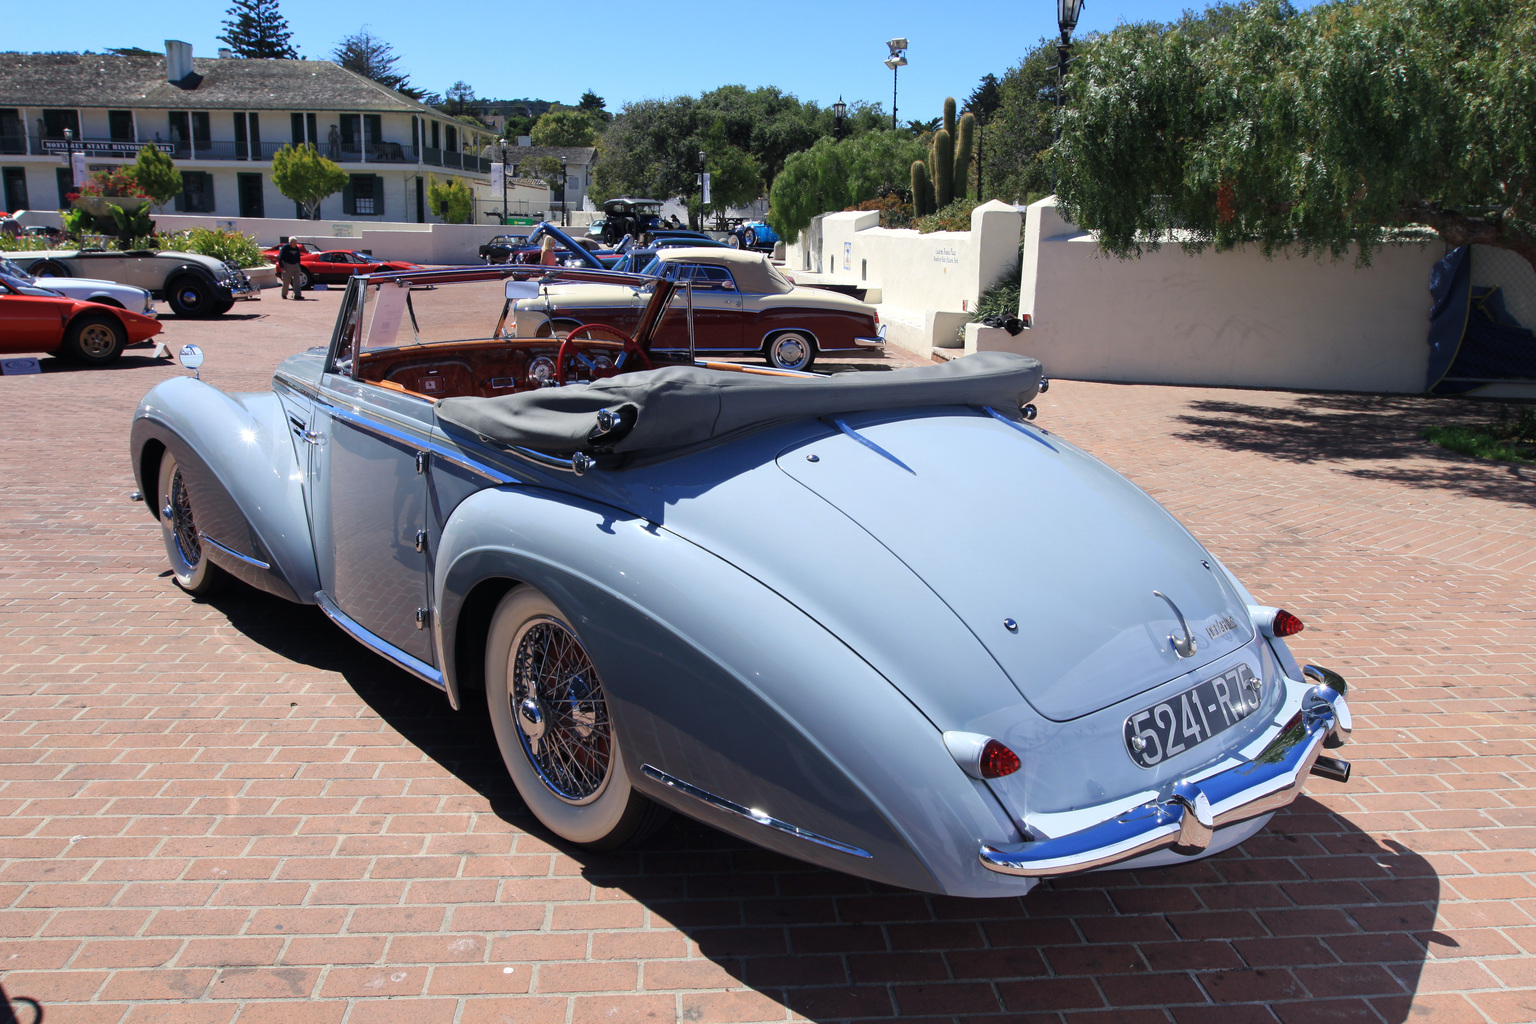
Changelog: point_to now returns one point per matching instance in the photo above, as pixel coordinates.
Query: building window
(16, 189)
(196, 192)
(55, 121)
(363, 196)
(120, 125)
(304, 129)
(66, 179)
(12, 138)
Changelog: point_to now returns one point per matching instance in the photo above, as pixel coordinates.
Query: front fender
(243, 477)
(717, 681)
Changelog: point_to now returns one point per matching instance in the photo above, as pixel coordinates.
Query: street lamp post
(897, 58)
(839, 111)
(505, 213)
(1067, 12)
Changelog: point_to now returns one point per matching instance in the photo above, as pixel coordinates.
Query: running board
(412, 664)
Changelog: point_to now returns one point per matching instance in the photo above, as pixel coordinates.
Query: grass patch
(1507, 439)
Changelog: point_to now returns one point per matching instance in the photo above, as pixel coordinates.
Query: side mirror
(522, 290)
(191, 357)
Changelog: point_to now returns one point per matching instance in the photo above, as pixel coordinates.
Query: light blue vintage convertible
(717, 589)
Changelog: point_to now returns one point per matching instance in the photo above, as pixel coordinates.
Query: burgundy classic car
(742, 305)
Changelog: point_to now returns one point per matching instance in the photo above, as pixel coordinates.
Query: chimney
(178, 61)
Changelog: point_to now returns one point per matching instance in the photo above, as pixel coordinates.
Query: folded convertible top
(679, 407)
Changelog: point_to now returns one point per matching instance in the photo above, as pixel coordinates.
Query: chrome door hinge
(421, 540)
(421, 462)
(312, 437)
(422, 617)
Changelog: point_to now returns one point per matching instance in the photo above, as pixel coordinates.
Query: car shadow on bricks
(1310, 920)
(1373, 437)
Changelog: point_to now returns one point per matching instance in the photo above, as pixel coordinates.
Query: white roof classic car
(194, 285)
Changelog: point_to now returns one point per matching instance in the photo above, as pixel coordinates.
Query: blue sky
(625, 51)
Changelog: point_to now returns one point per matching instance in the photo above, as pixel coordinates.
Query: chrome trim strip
(297, 386)
(1267, 783)
(247, 559)
(1017, 426)
(867, 443)
(752, 814)
(391, 432)
(415, 666)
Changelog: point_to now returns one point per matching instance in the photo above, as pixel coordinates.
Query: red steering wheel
(627, 346)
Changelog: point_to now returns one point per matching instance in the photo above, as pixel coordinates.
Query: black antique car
(627, 215)
(501, 248)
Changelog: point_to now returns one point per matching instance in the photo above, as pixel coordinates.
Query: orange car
(34, 319)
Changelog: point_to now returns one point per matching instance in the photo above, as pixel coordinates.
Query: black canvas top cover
(683, 406)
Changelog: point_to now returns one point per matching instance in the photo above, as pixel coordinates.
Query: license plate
(1190, 718)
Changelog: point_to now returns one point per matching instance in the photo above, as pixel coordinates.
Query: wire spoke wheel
(557, 700)
(555, 729)
(193, 571)
(183, 526)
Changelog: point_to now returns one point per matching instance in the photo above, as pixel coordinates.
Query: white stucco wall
(925, 283)
(1226, 319)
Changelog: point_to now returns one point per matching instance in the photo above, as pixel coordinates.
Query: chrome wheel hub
(530, 719)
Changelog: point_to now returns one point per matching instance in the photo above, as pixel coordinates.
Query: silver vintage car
(611, 550)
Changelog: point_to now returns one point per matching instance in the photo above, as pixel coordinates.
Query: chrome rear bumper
(876, 342)
(1193, 811)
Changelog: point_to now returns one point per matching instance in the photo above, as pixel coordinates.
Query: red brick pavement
(226, 811)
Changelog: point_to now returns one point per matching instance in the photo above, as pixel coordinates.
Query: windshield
(362, 257)
(25, 287)
(14, 272)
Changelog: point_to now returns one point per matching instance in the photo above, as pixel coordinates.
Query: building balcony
(221, 149)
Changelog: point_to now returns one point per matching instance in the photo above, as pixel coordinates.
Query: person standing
(288, 266)
(547, 255)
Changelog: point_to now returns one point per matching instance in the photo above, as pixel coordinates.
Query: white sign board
(498, 177)
(77, 164)
(705, 176)
(341, 230)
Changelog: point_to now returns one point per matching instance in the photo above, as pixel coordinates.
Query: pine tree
(256, 28)
(373, 58)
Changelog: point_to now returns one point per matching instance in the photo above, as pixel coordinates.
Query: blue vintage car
(716, 590)
(755, 234)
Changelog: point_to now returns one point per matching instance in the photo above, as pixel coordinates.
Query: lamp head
(1067, 12)
(894, 62)
(839, 109)
(897, 45)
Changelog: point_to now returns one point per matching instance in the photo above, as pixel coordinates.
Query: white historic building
(221, 120)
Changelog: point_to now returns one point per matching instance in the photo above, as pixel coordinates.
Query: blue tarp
(1473, 339)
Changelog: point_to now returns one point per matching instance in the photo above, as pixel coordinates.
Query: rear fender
(717, 681)
(242, 474)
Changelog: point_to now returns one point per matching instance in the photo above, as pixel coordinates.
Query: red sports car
(337, 266)
(39, 320)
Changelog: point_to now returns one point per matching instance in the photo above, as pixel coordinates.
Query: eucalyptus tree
(1326, 129)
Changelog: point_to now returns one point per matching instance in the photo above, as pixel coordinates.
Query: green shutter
(348, 205)
(378, 195)
(181, 197)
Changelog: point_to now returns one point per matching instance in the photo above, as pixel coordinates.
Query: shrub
(228, 246)
(954, 217)
(22, 243)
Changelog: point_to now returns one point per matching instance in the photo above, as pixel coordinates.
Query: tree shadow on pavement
(1376, 437)
(1310, 920)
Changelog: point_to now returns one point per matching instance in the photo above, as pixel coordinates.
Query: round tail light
(997, 760)
(1286, 624)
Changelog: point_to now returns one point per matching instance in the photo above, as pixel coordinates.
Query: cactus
(964, 146)
(949, 115)
(943, 168)
(922, 191)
